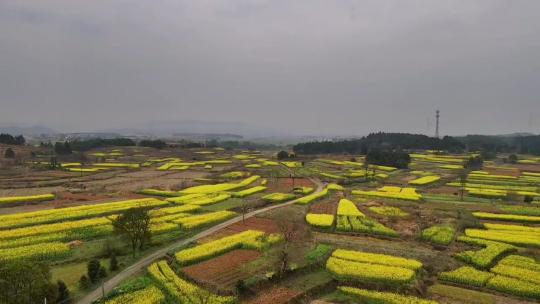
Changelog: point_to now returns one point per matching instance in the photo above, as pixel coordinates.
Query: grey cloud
(305, 67)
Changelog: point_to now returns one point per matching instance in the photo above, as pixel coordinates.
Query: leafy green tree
(25, 281)
(84, 282)
(113, 263)
(93, 271)
(282, 155)
(9, 153)
(134, 224)
(63, 296)
(102, 272)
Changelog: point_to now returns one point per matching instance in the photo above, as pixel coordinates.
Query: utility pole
(437, 115)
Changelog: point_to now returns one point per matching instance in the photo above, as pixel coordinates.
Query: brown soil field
(276, 295)
(214, 271)
(444, 190)
(328, 207)
(286, 184)
(498, 171)
(528, 167)
(254, 223)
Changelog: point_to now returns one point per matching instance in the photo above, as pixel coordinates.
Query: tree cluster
(474, 163)
(157, 143)
(9, 139)
(27, 281)
(62, 148)
(529, 144)
(396, 159)
(88, 144)
(381, 141)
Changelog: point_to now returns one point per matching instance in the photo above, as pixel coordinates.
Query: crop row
(278, 197)
(70, 213)
(320, 220)
(207, 199)
(522, 210)
(491, 226)
(424, 180)
(521, 262)
(181, 290)
(439, 234)
(512, 280)
(507, 217)
(388, 211)
(467, 276)
(391, 192)
(195, 221)
(363, 225)
(376, 258)
(521, 238)
(369, 296)
(249, 239)
(45, 251)
(312, 197)
(220, 187)
(30, 198)
(368, 273)
(484, 257)
(148, 295)
(348, 208)
(249, 191)
(517, 273)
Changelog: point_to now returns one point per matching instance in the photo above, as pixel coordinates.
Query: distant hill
(26, 130)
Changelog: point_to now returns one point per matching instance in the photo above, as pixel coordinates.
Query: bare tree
(292, 230)
(463, 174)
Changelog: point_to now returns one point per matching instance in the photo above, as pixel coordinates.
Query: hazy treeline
(380, 141)
(9, 139)
(405, 141)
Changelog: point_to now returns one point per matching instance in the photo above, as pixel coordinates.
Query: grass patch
(460, 294)
(225, 205)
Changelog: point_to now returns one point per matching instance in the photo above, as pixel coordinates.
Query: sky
(312, 67)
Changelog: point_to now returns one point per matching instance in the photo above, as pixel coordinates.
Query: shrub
(93, 271)
(319, 253)
(84, 282)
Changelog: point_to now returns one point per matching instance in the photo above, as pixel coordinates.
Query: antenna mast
(437, 115)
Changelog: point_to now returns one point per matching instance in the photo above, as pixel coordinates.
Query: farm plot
(223, 271)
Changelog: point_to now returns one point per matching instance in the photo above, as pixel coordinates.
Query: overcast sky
(309, 66)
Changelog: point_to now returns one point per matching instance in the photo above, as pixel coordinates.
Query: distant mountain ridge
(14, 129)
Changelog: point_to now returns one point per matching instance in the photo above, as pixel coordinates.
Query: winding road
(149, 259)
